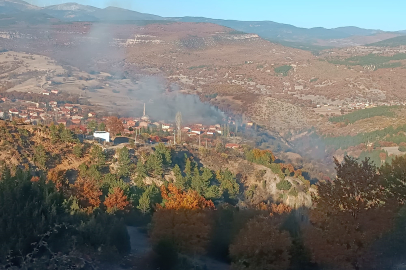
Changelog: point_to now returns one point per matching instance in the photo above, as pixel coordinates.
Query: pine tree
(180, 180)
(144, 203)
(125, 166)
(97, 155)
(78, 151)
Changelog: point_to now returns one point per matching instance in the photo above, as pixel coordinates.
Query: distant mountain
(356, 31)
(14, 6)
(273, 30)
(392, 42)
(72, 12)
(298, 37)
(120, 14)
(77, 12)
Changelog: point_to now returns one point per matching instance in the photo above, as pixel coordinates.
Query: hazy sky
(374, 14)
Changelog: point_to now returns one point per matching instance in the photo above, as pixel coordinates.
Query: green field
(389, 134)
(352, 117)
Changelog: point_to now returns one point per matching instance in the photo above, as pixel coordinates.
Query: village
(82, 119)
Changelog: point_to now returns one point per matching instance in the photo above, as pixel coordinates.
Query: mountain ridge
(270, 30)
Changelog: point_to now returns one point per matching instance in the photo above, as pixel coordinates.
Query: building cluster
(35, 113)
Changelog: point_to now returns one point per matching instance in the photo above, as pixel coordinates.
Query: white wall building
(103, 135)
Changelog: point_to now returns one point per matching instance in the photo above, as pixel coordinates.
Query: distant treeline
(364, 114)
(379, 61)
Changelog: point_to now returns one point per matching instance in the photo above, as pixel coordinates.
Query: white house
(103, 135)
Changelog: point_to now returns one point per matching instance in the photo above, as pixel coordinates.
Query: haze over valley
(201, 114)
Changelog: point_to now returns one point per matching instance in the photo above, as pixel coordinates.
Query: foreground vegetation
(192, 211)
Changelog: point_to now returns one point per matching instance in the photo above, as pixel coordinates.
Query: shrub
(293, 192)
(402, 148)
(284, 185)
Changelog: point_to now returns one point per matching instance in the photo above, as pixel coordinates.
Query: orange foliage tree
(88, 193)
(116, 200)
(349, 214)
(261, 245)
(114, 125)
(184, 218)
(57, 177)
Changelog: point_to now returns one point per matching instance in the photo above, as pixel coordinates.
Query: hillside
(392, 42)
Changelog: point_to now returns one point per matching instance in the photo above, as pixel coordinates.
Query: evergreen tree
(141, 171)
(180, 180)
(165, 153)
(78, 151)
(102, 127)
(228, 183)
(97, 155)
(144, 203)
(125, 166)
(40, 156)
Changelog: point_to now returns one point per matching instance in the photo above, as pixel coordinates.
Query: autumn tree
(114, 125)
(184, 218)
(88, 194)
(349, 214)
(116, 200)
(261, 245)
(57, 177)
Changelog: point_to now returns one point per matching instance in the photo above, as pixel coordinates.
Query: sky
(373, 14)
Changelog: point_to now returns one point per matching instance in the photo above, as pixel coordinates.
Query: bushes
(284, 70)
(284, 185)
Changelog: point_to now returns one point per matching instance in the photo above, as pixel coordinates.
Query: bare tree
(178, 121)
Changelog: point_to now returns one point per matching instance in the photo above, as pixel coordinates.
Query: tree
(40, 157)
(165, 154)
(394, 178)
(144, 203)
(97, 155)
(261, 245)
(141, 171)
(87, 193)
(116, 201)
(78, 151)
(125, 166)
(154, 165)
(92, 125)
(178, 121)
(183, 218)
(102, 127)
(344, 219)
(114, 125)
(201, 183)
(180, 181)
(228, 183)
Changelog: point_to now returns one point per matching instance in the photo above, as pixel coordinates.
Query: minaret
(144, 110)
